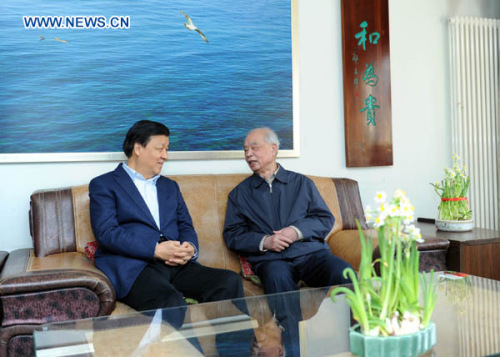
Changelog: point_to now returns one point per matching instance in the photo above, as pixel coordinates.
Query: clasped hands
(173, 252)
(281, 239)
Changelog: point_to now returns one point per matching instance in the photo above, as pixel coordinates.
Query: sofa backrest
(60, 220)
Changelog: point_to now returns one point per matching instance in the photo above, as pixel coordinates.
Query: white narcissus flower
(403, 200)
(379, 221)
(393, 211)
(399, 193)
(380, 197)
(414, 233)
(407, 208)
(412, 229)
(408, 219)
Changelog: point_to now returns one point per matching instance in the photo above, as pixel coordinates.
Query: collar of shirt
(272, 177)
(279, 175)
(147, 189)
(134, 175)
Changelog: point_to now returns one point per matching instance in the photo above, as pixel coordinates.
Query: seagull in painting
(58, 39)
(41, 38)
(192, 27)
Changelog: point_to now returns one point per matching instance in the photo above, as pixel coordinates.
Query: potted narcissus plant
(390, 319)
(454, 213)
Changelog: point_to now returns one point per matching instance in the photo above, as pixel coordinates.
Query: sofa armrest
(351, 207)
(33, 295)
(3, 259)
(432, 254)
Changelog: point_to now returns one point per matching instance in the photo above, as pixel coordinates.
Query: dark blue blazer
(126, 230)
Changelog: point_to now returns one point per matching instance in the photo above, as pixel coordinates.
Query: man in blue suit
(147, 243)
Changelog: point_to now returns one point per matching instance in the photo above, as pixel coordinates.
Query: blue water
(83, 95)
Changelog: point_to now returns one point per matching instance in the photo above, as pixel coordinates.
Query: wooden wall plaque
(367, 83)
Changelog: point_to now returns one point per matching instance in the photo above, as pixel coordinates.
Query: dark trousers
(161, 286)
(317, 269)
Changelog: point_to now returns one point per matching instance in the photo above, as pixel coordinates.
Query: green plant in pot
(391, 319)
(453, 212)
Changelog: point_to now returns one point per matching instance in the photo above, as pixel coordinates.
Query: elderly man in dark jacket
(278, 219)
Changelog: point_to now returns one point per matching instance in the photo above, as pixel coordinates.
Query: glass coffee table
(304, 323)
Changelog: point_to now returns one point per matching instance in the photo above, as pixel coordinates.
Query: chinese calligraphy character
(372, 38)
(370, 108)
(369, 76)
(355, 58)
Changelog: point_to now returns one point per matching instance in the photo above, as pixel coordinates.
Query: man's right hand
(173, 253)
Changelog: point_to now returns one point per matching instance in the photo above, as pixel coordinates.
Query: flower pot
(413, 344)
(454, 226)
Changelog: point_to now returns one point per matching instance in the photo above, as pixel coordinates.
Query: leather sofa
(55, 281)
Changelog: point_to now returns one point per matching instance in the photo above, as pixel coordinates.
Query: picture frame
(70, 93)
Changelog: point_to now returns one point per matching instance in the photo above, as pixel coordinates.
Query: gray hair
(270, 136)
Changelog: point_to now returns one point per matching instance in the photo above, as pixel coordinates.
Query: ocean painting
(75, 75)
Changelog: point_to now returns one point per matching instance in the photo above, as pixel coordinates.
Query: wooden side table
(476, 252)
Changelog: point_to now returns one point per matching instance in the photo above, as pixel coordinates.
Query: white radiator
(474, 52)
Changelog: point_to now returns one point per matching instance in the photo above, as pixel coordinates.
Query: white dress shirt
(147, 189)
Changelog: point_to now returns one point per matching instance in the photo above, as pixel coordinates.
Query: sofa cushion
(347, 245)
(247, 272)
(206, 199)
(90, 249)
(328, 190)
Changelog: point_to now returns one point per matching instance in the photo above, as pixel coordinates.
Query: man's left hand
(288, 232)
